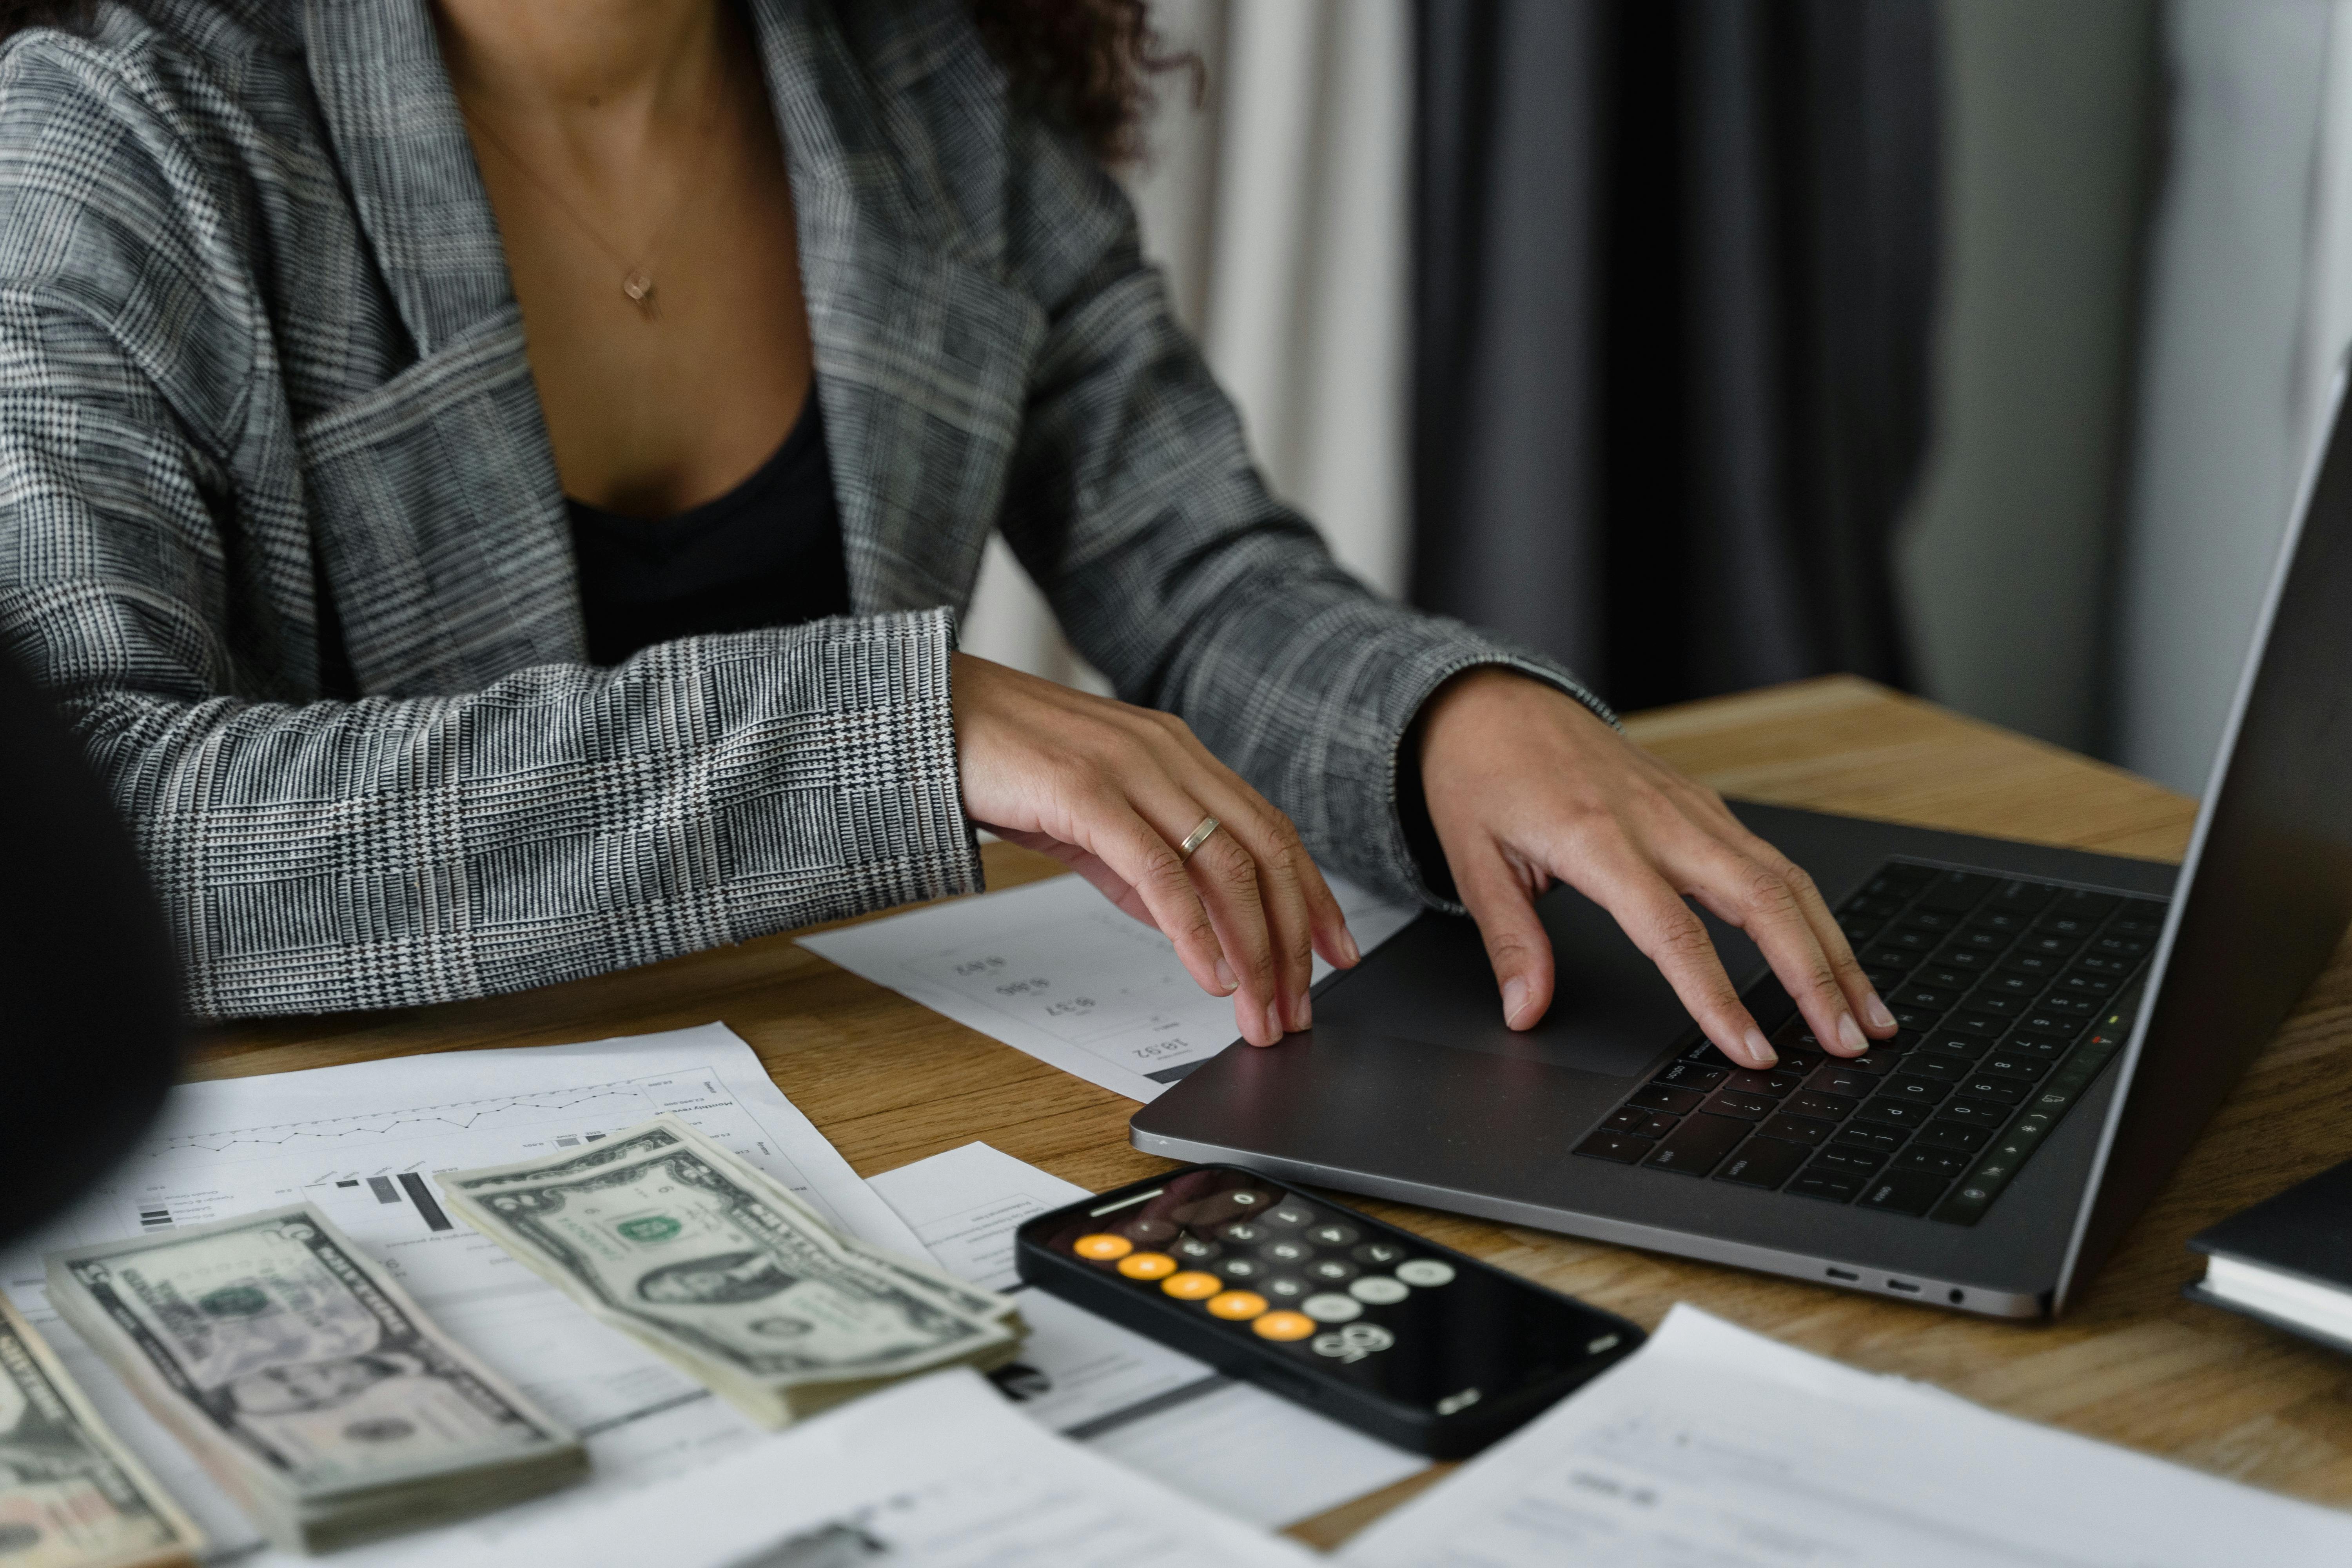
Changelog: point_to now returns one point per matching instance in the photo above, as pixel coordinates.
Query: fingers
(1675, 939)
(1139, 856)
(1761, 901)
(1502, 901)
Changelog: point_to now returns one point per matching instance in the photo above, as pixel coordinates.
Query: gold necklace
(636, 277)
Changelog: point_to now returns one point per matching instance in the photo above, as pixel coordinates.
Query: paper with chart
(1227, 1443)
(937, 1473)
(1714, 1446)
(361, 1142)
(1054, 970)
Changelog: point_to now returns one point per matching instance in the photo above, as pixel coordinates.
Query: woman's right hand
(1112, 790)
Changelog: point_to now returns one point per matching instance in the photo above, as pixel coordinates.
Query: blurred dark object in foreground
(1675, 272)
(90, 1025)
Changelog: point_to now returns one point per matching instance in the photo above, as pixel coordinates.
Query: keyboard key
(1942, 1068)
(1892, 960)
(1902, 1192)
(1967, 958)
(1841, 1079)
(1697, 1146)
(1775, 1084)
(1956, 1048)
(1845, 1157)
(1917, 1017)
(1828, 1182)
(1986, 1113)
(1629, 1120)
(2021, 897)
(2015, 983)
(1658, 1097)
(1858, 929)
(2084, 1008)
(1931, 999)
(2007, 1063)
(1813, 1102)
(1904, 941)
(1763, 1162)
(1942, 1162)
(1801, 1063)
(1895, 1112)
(2087, 905)
(1899, 878)
(1954, 1135)
(1802, 1129)
(2067, 925)
(1957, 890)
(2097, 963)
(1991, 1000)
(1924, 918)
(2002, 1090)
(1870, 1135)
(2052, 942)
(1691, 1075)
(1944, 976)
(1913, 1089)
(1879, 1060)
(1872, 907)
(2043, 965)
(1746, 1107)
(1704, 1053)
(1976, 938)
(2047, 1021)
(2093, 986)
(2035, 1047)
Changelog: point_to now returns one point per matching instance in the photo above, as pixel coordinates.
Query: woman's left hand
(1526, 784)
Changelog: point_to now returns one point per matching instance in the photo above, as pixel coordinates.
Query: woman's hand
(1112, 790)
(1526, 784)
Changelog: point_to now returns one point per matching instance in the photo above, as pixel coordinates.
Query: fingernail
(1850, 1034)
(1355, 954)
(1760, 1048)
(1880, 1018)
(1273, 1021)
(1226, 978)
(1515, 997)
(1302, 1012)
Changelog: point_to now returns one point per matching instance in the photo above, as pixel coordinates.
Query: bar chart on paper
(1052, 969)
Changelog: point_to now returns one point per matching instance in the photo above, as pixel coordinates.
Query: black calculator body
(1414, 1343)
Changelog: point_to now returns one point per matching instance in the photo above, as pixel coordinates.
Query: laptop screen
(2266, 891)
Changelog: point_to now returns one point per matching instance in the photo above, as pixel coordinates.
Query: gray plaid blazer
(257, 344)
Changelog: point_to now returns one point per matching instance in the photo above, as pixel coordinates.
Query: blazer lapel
(922, 355)
(440, 514)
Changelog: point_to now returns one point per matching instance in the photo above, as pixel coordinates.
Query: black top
(766, 554)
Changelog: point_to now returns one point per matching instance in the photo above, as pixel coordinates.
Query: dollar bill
(717, 1268)
(309, 1384)
(71, 1496)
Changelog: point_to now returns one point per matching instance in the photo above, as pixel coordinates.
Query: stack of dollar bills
(306, 1380)
(71, 1496)
(720, 1270)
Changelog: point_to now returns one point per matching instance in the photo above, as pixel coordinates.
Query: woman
(492, 481)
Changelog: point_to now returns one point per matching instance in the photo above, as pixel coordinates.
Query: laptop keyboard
(2013, 994)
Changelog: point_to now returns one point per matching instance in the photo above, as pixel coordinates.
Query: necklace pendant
(637, 284)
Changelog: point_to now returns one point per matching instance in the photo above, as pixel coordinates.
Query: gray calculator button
(1334, 1270)
(1377, 1254)
(1242, 1232)
(1192, 1249)
(1287, 1288)
(1286, 1251)
(1241, 1268)
(1331, 1309)
(1290, 1213)
(1150, 1229)
(1379, 1291)
(1333, 1235)
(1425, 1272)
(1248, 1200)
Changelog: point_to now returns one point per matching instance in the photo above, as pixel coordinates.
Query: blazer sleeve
(317, 855)
(1134, 507)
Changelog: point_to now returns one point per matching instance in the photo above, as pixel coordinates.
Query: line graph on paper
(589, 1100)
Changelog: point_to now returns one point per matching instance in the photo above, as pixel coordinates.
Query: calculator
(1414, 1343)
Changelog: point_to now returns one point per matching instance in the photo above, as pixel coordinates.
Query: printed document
(1054, 970)
(362, 1142)
(935, 1473)
(1718, 1447)
(1227, 1443)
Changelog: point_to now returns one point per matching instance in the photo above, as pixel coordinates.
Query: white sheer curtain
(2249, 309)
(1278, 209)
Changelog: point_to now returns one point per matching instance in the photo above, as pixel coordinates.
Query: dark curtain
(1674, 263)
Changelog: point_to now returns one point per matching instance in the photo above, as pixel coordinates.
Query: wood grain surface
(889, 1081)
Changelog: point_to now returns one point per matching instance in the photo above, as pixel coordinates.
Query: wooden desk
(889, 1081)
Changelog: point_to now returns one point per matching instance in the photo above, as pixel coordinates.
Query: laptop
(2070, 1022)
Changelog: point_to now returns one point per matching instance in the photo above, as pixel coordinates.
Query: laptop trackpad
(1612, 1011)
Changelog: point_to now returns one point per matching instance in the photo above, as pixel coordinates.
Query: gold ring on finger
(1195, 838)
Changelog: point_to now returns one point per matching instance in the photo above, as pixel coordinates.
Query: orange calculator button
(1147, 1266)
(1237, 1306)
(1191, 1285)
(1102, 1248)
(1284, 1326)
